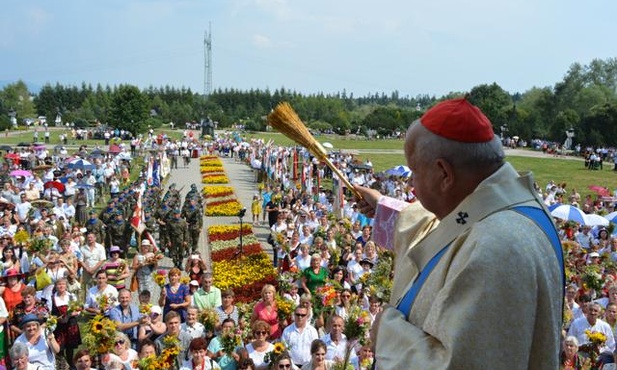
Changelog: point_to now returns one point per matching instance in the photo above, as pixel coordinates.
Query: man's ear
(446, 174)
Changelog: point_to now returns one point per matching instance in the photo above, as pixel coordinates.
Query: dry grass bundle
(287, 122)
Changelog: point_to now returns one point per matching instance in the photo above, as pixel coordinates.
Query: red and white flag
(137, 219)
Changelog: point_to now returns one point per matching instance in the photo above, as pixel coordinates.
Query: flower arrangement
(100, 334)
(596, 340)
(224, 208)
(324, 299)
(185, 280)
(592, 278)
(74, 306)
(145, 309)
(51, 323)
(379, 282)
(39, 245)
(149, 363)
(286, 280)
(21, 237)
(170, 352)
(357, 324)
(284, 307)
(209, 318)
(234, 274)
(279, 349)
(230, 340)
(105, 302)
(160, 277)
(214, 179)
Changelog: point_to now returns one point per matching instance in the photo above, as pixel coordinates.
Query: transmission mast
(208, 61)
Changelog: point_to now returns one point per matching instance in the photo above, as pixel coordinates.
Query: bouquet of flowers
(39, 245)
(592, 278)
(100, 334)
(170, 352)
(21, 237)
(286, 279)
(149, 363)
(379, 282)
(324, 299)
(356, 328)
(74, 306)
(279, 348)
(105, 302)
(160, 277)
(357, 324)
(596, 340)
(185, 280)
(284, 307)
(145, 309)
(230, 340)
(209, 318)
(51, 323)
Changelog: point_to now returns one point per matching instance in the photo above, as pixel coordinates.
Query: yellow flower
(279, 347)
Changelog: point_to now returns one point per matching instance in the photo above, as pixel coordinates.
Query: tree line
(585, 102)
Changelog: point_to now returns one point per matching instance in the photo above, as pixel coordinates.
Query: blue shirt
(116, 314)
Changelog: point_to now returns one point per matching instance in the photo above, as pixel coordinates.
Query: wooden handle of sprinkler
(342, 177)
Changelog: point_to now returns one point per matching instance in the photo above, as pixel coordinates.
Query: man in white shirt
(299, 336)
(192, 327)
(592, 322)
(584, 237)
(93, 258)
(101, 288)
(336, 342)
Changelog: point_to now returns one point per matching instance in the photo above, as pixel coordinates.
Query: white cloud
(262, 42)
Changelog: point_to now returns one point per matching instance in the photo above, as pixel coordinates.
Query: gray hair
(458, 154)
(572, 340)
(18, 351)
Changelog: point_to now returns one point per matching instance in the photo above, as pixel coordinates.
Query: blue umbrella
(81, 164)
(612, 217)
(83, 186)
(402, 171)
(553, 206)
(570, 213)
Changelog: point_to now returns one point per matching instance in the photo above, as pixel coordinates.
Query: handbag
(43, 280)
(134, 284)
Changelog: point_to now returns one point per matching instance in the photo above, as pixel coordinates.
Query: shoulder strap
(537, 215)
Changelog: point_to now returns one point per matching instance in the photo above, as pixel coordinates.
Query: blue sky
(414, 47)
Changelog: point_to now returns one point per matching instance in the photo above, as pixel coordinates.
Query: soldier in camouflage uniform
(194, 217)
(172, 197)
(117, 232)
(178, 237)
(107, 216)
(162, 217)
(95, 226)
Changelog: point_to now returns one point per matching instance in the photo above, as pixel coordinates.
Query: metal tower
(208, 61)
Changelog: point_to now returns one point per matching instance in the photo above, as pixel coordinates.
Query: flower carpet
(245, 273)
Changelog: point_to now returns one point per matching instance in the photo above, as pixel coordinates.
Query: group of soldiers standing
(178, 224)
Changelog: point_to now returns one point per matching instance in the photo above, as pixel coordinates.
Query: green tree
(494, 101)
(129, 109)
(15, 96)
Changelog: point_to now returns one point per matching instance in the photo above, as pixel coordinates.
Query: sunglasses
(300, 314)
(284, 366)
(261, 332)
(120, 342)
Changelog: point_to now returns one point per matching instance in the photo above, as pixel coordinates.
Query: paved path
(241, 178)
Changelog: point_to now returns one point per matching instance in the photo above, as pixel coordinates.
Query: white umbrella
(570, 213)
(327, 145)
(612, 217)
(593, 219)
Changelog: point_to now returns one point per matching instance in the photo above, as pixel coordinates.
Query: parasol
(114, 149)
(42, 203)
(6, 148)
(81, 164)
(401, 171)
(18, 173)
(593, 219)
(600, 190)
(55, 184)
(327, 145)
(569, 213)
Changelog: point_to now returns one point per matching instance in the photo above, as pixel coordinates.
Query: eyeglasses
(284, 366)
(261, 332)
(346, 296)
(300, 314)
(120, 342)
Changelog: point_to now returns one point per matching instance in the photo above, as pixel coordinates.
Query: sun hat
(29, 318)
(114, 248)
